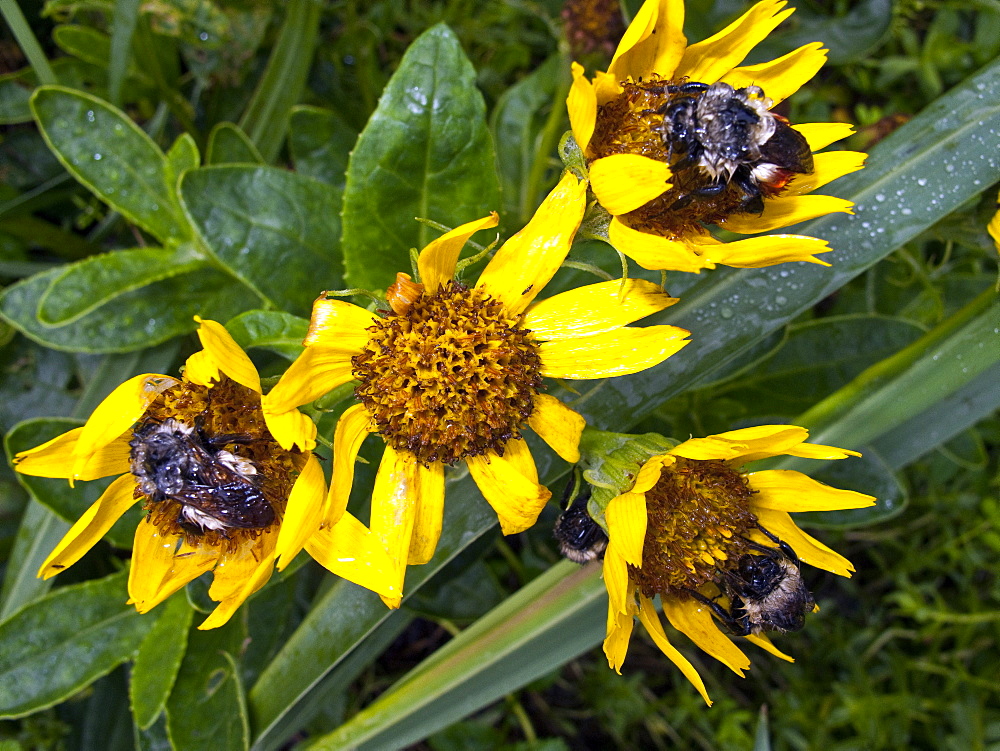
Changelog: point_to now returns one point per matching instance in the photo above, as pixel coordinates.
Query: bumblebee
(766, 592)
(581, 539)
(217, 489)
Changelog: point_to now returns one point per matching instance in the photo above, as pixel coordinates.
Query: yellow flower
(678, 137)
(453, 373)
(994, 227)
(693, 525)
(221, 494)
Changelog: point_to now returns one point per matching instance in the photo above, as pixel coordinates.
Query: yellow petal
(624, 182)
(315, 372)
(616, 581)
(821, 135)
(653, 43)
(762, 641)
(649, 619)
(994, 228)
(654, 252)
(826, 168)
(626, 517)
(787, 490)
(695, 621)
(509, 488)
(352, 429)
(736, 444)
(91, 527)
(352, 552)
(159, 568)
(818, 451)
(429, 515)
(303, 513)
(55, 458)
(606, 87)
(254, 577)
(595, 309)
(784, 211)
(782, 77)
(559, 426)
(710, 60)
(649, 473)
(394, 507)
(437, 261)
(527, 261)
(618, 634)
(620, 352)
(291, 428)
(767, 250)
(117, 413)
(582, 107)
(236, 568)
(222, 353)
(338, 325)
(808, 549)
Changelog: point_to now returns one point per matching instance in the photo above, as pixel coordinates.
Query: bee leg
(782, 545)
(735, 626)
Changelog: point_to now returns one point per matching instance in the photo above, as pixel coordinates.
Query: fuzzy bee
(581, 539)
(217, 490)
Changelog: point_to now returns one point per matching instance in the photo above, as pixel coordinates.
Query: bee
(581, 539)
(732, 137)
(217, 489)
(766, 592)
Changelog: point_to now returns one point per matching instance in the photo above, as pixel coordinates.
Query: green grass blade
(122, 28)
(26, 39)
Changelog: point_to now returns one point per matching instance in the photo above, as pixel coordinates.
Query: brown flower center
(697, 515)
(453, 375)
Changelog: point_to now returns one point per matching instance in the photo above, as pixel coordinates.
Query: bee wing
(229, 496)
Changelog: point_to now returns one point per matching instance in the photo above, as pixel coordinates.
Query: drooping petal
(517, 498)
(757, 441)
(437, 261)
(352, 429)
(91, 527)
(821, 135)
(394, 502)
(595, 309)
(695, 621)
(654, 252)
(994, 227)
(315, 372)
(303, 513)
(159, 567)
(711, 59)
(350, 550)
(527, 261)
(653, 43)
(649, 619)
(429, 514)
(55, 458)
(559, 426)
(220, 353)
(338, 325)
(626, 517)
(786, 210)
(807, 548)
(787, 490)
(289, 428)
(615, 572)
(782, 77)
(624, 182)
(767, 250)
(827, 167)
(581, 103)
(818, 451)
(614, 353)
(618, 634)
(762, 641)
(253, 578)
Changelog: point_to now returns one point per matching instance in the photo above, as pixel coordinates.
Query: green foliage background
(233, 158)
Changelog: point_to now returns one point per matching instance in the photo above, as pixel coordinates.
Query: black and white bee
(581, 539)
(217, 489)
(766, 592)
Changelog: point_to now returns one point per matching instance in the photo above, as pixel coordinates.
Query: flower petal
(436, 263)
(352, 429)
(710, 60)
(695, 621)
(54, 458)
(350, 550)
(429, 515)
(653, 43)
(159, 568)
(339, 325)
(581, 103)
(626, 518)
(787, 490)
(559, 426)
(315, 372)
(291, 428)
(767, 250)
(91, 527)
(649, 619)
(509, 488)
(762, 641)
(528, 260)
(782, 77)
(304, 512)
(624, 182)
(614, 353)
(253, 576)
(808, 549)
(994, 227)
(821, 135)
(826, 168)
(221, 352)
(618, 634)
(786, 210)
(650, 472)
(758, 441)
(654, 252)
(394, 508)
(616, 581)
(818, 451)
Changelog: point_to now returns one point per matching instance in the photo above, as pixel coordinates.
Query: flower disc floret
(453, 376)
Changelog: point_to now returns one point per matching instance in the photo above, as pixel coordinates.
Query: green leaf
(183, 155)
(137, 318)
(87, 43)
(207, 708)
(426, 152)
(61, 643)
(851, 37)
(37, 536)
(16, 88)
(321, 142)
(112, 157)
(68, 503)
(281, 333)
(227, 144)
(277, 231)
(266, 117)
(158, 661)
(123, 24)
